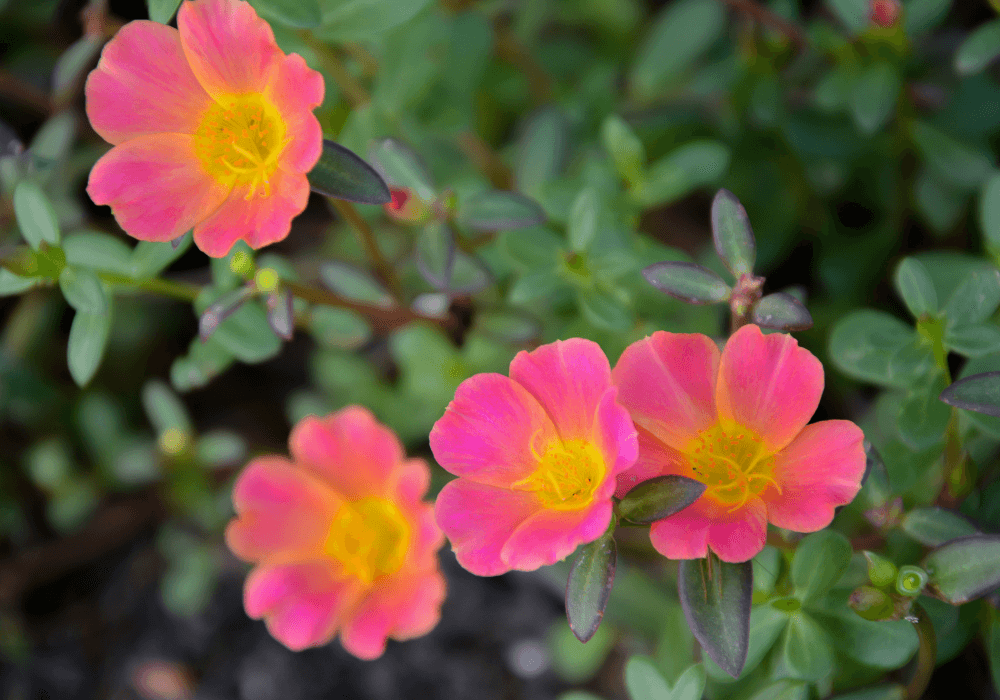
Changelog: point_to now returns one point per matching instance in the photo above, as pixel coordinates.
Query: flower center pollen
(369, 538)
(567, 476)
(239, 141)
(733, 466)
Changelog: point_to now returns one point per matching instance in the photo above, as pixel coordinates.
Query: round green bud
(871, 603)
(266, 279)
(881, 571)
(241, 264)
(911, 580)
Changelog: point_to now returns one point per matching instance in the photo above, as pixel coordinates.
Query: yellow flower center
(369, 538)
(733, 466)
(567, 476)
(239, 141)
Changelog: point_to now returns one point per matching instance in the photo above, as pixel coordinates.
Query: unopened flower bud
(881, 571)
(871, 603)
(911, 580)
(405, 206)
(884, 13)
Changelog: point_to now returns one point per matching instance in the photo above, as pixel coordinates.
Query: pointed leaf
(732, 234)
(979, 49)
(589, 586)
(584, 217)
(354, 284)
(343, 175)
(164, 408)
(922, 418)
(873, 99)
(468, 275)
(964, 569)
(659, 497)
(974, 340)
(916, 288)
(162, 11)
(83, 290)
(688, 282)
(934, 526)
(88, 337)
(783, 312)
(220, 310)
(624, 147)
(497, 210)
(979, 393)
(956, 162)
(281, 314)
(435, 253)
(676, 174)
(541, 149)
(644, 681)
(401, 167)
(718, 609)
(35, 215)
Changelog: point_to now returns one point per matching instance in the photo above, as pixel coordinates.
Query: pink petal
(413, 477)
(155, 186)
(821, 469)
(489, 431)
(302, 603)
(296, 90)
(229, 48)
(479, 519)
(655, 459)
(568, 378)
(426, 537)
(667, 382)
(143, 85)
(403, 607)
(735, 536)
(283, 512)
(259, 221)
(767, 383)
(350, 450)
(617, 440)
(549, 536)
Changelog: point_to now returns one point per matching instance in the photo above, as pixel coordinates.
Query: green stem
(167, 288)
(926, 654)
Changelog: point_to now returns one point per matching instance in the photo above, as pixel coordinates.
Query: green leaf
(974, 340)
(338, 328)
(507, 326)
(732, 234)
(681, 33)
(604, 309)
(300, 14)
(989, 211)
(782, 312)
(975, 299)
(978, 392)
(532, 248)
(469, 51)
(498, 210)
(434, 254)
(991, 635)
(162, 11)
(590, 580)
(688, 282)
(83, 290)
(541, 149)
(916, 288)
(690, 685)
(766, 625)
(281, 313)
(343, 175)
(535, 286)
(863, 344)
(979, 49)
(853, 14)
(354, 284)
(53, 141)
(584, 219)
(223, 306)
(783, 690)
(687, 167)
(72, 63)
(164, 408)
(401, 167)
(886, 645)
(923, 15)
(934, 526)
(820, 559)
(624, 147)
(11, 284)
(358, 20)
(940, 202)
(922, 418)
(953, 160)
(35, 215)
(468, 274)
(644, 682)
(964, 569)
(220, 448)
(98, 251)
(574, 661)
(150, 259)
(873, 99)
(805, 651)
(659, 497)
(88, 337)
(246, 334)
(717, 609)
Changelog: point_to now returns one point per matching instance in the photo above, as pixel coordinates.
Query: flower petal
(143, 85)
(568, 378)
(229, 48)
(552, 535)
(402, 607)
(617, 440)
(767, 383)
(821, 469)
(735, 536)
(259, 220)
(296, 90)
(489, 431)
(413, 478)
(303, 604)
(655, 459)
(350, 450)
(155, 186)
(479, 519)
(667, 382)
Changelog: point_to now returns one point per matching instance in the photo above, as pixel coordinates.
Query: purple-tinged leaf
(497, 210)
(688, 282)
(435, 254)
(782, 312)
(222, 309)
(281, 314)
(589, 586)
(343, 175)
(401, 167)
(964, 569)
(716, 604)
(659, 497)
(732, 235)
(979, 393)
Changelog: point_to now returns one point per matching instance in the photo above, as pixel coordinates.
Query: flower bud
(405, 206)
(881, 571)
(884, 13)
(911, 580)
(871, 603)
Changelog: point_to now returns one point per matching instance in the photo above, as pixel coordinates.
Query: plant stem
(926, 654)
(382, 319)
(510, 49)
(369, 64)
(765, 16)
(348, 84)
(167, 288)
(367, 239)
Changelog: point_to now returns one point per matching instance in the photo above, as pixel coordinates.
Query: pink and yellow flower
(737, 422)
(341, 539)
(212, 128)
(537, 455)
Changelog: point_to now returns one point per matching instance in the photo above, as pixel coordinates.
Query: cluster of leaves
(548, 169)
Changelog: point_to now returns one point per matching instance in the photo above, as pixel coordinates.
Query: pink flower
(737, 423)
(537, 455)
(212, 128)
(341, 539)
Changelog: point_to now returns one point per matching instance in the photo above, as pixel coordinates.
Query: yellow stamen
(369, 538)
(567, 475)
(733, 466)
